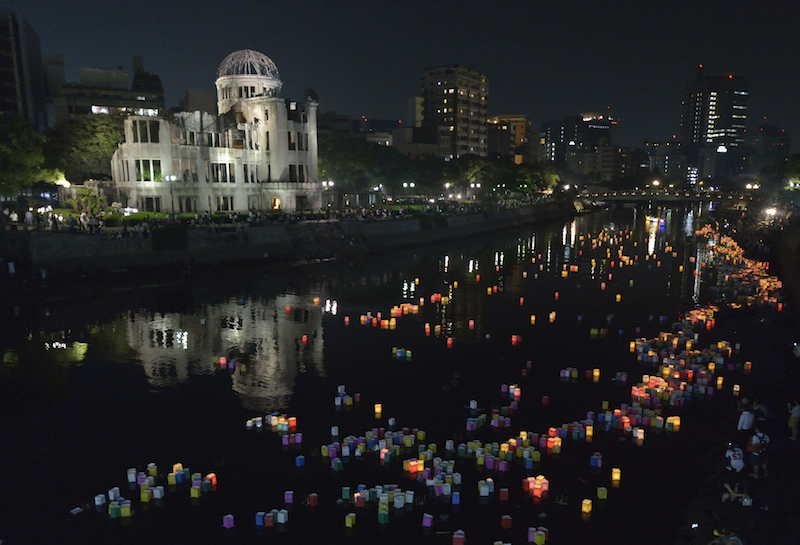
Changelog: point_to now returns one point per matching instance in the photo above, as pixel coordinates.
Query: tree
(82, 147)
(361, 165)
(21, 154)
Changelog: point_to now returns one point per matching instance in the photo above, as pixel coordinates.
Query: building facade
(104, 91)
(22, 85)
(713, 125)
(457, 98)
(564, 139)
(259, 153)
(524, 152)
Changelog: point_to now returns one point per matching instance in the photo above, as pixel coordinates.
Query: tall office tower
(457, 98)
(713, 125)
(22, 88)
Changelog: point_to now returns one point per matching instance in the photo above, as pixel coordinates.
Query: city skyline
(544, 61)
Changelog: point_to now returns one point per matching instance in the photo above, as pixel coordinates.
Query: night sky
(544, 59)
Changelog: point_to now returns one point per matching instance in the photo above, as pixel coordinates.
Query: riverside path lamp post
(171, 179)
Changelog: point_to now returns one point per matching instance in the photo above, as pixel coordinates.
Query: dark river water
(167, 374)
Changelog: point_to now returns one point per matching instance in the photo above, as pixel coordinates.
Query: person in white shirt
(735, 457)
(745, 420)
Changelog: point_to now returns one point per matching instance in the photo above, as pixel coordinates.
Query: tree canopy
(82, 147)
(361, 165)
(21, 154)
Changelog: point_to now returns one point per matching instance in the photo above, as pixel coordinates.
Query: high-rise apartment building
(457, 98)
(22, 88)
(713, 125)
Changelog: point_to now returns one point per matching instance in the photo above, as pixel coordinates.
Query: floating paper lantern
(719, 383)
(227, 521)
(616, 474)
(735, 390)
(586, 506)
(533, 319)
(602, 493)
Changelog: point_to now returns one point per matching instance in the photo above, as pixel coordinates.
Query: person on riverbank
(735, 457)
(794, 418)
(746, 419)
(757, 447)
(763, 414)
(725, 537)
(737, 492)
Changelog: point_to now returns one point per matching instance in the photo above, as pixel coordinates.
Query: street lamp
(326, 186)
(171, 179)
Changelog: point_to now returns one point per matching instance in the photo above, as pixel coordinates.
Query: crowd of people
(748, 457)
(47, 220)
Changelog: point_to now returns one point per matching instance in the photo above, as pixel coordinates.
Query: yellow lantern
(616, 474)
(586, 506)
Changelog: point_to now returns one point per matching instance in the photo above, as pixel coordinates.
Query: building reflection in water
(265, 343)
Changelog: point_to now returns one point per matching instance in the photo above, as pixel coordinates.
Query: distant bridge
(667, 196)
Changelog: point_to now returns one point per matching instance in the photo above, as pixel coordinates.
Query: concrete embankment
(68, 253)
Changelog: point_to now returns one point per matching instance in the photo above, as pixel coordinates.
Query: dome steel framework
(248, 63)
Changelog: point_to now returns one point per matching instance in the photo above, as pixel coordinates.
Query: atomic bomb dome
(248, 63)
(258, 153)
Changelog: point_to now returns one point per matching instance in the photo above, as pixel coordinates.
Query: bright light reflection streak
(696, 290)
(688, 226)
(652, 228)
